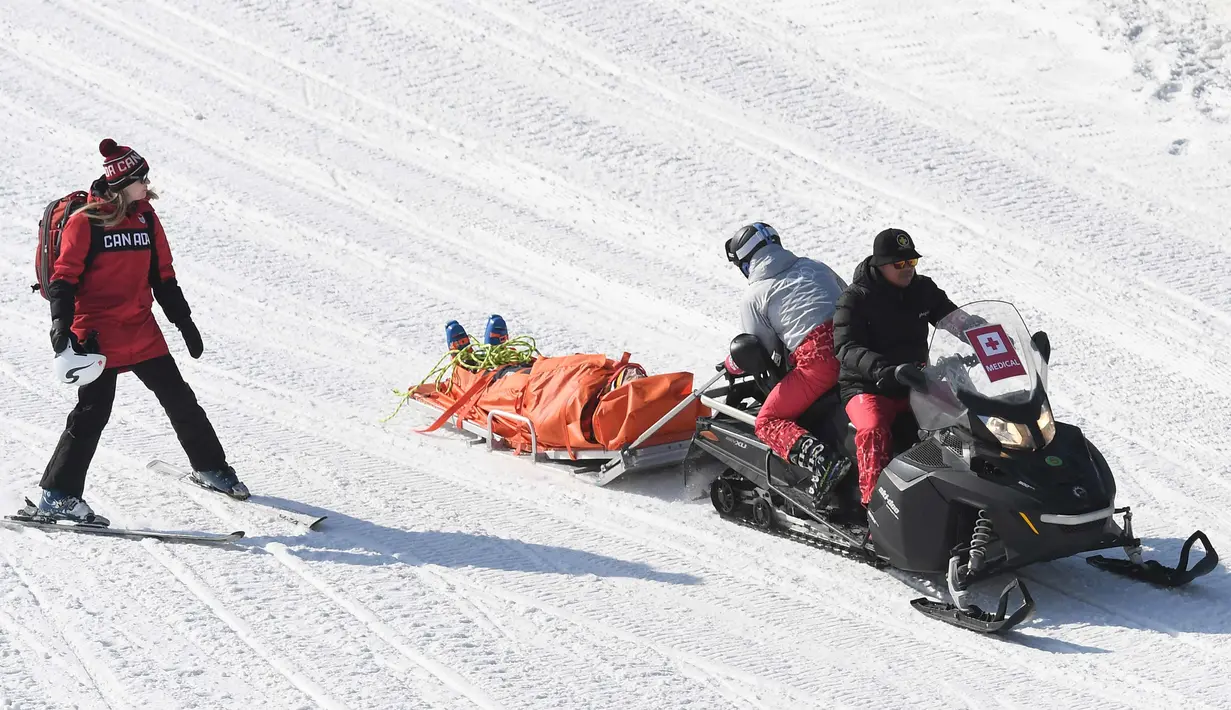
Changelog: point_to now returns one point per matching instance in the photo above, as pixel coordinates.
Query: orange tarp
(566, 400)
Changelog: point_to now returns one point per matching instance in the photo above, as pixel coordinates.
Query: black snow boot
(828, 467)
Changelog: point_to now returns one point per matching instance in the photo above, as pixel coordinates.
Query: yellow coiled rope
(474, 357)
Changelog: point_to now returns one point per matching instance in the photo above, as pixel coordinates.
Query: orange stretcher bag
(570, 402)
(626, 412)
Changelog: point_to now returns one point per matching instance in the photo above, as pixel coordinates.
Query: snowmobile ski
(306, 520)
(1155, 572)
(973, 618)
(28, 517)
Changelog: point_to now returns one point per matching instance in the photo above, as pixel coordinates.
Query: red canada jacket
(114, 269)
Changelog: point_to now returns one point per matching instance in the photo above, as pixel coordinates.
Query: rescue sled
(575, 410)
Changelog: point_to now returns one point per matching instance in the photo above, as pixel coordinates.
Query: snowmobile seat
(826, 417)
(827, 420)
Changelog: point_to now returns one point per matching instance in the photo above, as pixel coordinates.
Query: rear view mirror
(1043, 343)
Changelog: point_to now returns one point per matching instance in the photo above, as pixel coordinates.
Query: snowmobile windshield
(982, 349)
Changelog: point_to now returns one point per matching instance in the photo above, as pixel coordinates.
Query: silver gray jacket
(787, 297)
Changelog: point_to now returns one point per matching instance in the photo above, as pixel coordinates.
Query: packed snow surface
(339, 179)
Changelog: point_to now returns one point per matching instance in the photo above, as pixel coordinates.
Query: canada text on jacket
(126, 240)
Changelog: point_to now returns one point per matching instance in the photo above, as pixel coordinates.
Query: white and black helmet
(748, 240)
(73, 367)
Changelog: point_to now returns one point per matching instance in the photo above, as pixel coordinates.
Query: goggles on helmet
(748, 241)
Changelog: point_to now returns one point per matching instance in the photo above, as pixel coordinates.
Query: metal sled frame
(601, 465)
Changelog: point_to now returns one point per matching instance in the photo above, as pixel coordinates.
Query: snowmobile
(983, 481)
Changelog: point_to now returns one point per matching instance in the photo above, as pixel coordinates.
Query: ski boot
(56, 506)
(845, 507)
(496, 332)
(455, 336)
(828, 468)
(222, 480)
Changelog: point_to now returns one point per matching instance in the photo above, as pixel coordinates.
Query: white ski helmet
(74, 368)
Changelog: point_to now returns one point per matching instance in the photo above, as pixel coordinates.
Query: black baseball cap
(892, 245)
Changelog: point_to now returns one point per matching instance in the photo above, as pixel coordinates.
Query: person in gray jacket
(789, 307)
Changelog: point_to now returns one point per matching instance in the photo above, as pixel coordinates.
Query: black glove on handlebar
(910, 375)
(887, 384)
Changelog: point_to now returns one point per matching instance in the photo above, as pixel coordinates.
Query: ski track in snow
(340, 181)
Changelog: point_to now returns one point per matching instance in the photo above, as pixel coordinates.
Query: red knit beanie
(122, 166)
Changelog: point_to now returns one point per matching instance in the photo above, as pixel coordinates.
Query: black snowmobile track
(820, 542)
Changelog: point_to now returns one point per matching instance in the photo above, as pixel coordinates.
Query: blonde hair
(113, 208)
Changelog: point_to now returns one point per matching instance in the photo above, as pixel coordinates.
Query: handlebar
(965, 360)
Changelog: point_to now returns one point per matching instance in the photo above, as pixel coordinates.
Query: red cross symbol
(992, 344)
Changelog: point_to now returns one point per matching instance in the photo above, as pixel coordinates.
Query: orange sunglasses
(899, 265)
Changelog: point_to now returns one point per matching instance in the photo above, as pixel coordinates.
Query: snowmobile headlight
(1047, 425)
(1010, 434)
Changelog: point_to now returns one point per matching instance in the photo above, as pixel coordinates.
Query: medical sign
(995, 351)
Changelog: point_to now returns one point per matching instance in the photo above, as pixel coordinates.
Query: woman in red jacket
(114, 262)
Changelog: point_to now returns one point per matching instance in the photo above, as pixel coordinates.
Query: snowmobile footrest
(1161, 575)
(975, 619)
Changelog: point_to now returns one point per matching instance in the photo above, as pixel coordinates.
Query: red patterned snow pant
(815, 371)
(873, 415)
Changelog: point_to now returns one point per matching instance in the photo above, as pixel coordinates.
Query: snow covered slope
(339, 179)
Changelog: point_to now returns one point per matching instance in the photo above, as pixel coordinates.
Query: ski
(1155, 572)
(972, 618)
(306, 520)
(26, 520)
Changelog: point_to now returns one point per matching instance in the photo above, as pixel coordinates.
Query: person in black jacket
(881, 336)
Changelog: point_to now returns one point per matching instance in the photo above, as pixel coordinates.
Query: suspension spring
(979, 539)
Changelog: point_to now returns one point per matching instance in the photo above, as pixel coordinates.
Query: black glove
(62, 336)
(63, 297)
(90, 346)
(192, 337)
(910, 375)
(887, 384)
(171, 297)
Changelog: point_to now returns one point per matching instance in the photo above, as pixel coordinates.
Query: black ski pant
(67, 469)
